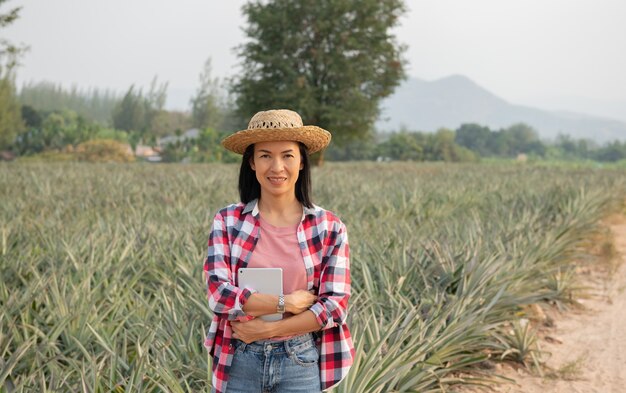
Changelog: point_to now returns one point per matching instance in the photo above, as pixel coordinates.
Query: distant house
(148, 153)
(153, 153)
(6, 155)
(189, 134)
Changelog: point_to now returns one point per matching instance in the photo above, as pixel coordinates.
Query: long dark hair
(249, 187)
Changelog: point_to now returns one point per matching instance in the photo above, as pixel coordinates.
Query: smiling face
(277, 166)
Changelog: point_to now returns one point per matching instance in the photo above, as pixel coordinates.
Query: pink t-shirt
(279, 247)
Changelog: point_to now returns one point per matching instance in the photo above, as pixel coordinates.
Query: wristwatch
(281, 304)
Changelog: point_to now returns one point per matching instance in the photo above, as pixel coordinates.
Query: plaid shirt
(324, 244)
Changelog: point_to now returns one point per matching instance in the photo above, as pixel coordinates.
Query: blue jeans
(275, 366)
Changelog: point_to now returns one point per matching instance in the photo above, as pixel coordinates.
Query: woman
(277, 225)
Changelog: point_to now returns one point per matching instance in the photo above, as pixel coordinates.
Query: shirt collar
(253, 206)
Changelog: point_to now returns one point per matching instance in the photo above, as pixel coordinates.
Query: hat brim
(313, 137)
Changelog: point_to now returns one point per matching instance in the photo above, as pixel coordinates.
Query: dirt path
(587, 346)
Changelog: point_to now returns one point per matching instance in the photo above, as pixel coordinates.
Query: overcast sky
(552, 54)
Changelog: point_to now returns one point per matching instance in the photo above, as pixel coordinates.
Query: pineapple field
(101, 284)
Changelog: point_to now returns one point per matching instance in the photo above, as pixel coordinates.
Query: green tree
(55, 130)
(93, 104)
(206, 108)
(521, 139)
(141, 115)
(9, 53)
(129, 114)
(31, 116)
(441, 146)
(611, 152)
(167, 122)
(332, 61)
(569, 148)
(403, 146)
(365, 148)
(474, 137)
(154, 102)
(419, 146)
(10, 112)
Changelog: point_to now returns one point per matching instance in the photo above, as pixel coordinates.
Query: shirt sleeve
(331, 308)
(225, 299)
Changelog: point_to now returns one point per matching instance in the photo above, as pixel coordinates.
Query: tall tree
(9, 52)
(129, 114)
(95, 104)
(332, 61)
(10, 113)
(206, 110)
(154, 102)
(141, 113)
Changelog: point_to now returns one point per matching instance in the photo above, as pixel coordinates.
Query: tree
(474, 137)
(9, 53)
(403, 146)
(522, 139)
(93, 104)
(10, 112)
(154, 102)
(129, 114)
(53, 131)
(366, 148)
(611, 152)
(31, 117)
(332, 61)
(205, 105)
(167, 122)
(136, 112)
(420, 146)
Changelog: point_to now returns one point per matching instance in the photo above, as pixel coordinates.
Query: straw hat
(277, 125)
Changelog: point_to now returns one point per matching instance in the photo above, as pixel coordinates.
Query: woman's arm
(328, 311)
(258, 329)
(262, 304)
(225, 299)
(331, 307)
(231, 302)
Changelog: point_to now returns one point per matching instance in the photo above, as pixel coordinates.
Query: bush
(104, 150)
(47, 156)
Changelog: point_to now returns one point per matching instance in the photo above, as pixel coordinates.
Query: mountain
(420, 105)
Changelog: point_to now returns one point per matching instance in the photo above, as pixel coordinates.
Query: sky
(550, 54)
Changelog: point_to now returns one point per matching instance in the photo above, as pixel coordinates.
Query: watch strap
(281, 304)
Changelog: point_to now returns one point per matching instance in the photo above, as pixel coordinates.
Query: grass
(569, 371)
(101, 265)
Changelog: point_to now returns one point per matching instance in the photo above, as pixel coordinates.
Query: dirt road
(588, 346)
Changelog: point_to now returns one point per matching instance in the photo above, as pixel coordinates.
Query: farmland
(101, 268)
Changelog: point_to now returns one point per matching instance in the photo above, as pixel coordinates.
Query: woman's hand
(299, 301)
(249, 331)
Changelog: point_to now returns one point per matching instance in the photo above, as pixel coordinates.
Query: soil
(584, 348)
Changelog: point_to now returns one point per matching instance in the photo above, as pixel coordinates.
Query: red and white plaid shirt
(324, 244)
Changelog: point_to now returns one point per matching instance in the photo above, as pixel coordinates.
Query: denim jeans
(275, 366)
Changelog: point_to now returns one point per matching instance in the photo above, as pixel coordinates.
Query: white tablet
(266, 280)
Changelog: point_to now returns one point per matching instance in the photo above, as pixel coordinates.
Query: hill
(421, 105)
